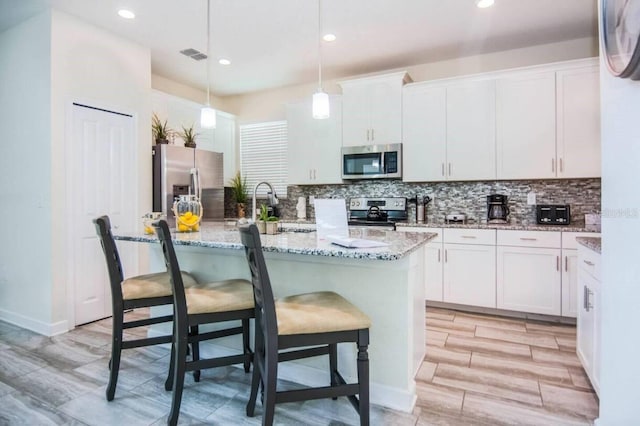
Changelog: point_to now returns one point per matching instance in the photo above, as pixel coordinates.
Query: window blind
(263, 156)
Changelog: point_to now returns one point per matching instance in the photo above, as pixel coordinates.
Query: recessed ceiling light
(484, 3)
(126, 14)
(224, 61)
(329, 37)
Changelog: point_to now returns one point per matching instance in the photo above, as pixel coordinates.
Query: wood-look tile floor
(479, 370)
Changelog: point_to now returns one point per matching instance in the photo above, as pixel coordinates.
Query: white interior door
(103, 181)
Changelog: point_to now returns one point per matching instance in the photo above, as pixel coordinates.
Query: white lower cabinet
(433, 260)
(528, 280)
(469, 272)
(529, 277)
(569, 283)
(588, 322)
(524, 271)
(570, 272)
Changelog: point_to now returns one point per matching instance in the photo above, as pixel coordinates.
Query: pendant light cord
(208, 47)
(319, 54)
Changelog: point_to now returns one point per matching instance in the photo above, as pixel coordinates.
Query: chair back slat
(263, 294)
(171, 261)
(110, 250)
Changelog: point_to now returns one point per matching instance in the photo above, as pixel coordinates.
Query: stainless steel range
(380, 212)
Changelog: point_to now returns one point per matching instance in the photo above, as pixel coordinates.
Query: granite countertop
(593, 243)
(508, 226)
(295, 240)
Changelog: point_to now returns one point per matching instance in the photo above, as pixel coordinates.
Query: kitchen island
(384, 282)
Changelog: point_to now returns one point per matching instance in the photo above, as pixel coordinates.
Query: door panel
(102, 181)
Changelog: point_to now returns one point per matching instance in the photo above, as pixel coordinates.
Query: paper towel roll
(301, 208)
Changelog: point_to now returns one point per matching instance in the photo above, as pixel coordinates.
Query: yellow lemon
(191, 220)
(148, 230)
(182, 227)
(195, 227)
(187, 215)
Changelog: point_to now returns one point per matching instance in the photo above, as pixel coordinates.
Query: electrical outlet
(531, 198)
(312, 199)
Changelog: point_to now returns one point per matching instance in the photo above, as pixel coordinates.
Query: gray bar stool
(204, 304)
(321, 320)
(140, 291)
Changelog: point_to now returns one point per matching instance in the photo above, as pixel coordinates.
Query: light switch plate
(531, 198)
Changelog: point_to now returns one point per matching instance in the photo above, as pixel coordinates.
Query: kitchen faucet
(273, 199)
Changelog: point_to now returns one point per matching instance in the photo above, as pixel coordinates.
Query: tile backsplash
(470, 198)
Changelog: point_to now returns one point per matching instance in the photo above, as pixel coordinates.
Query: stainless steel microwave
(372, 161)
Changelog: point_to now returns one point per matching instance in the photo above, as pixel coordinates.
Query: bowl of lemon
(148, 219)
(188, 212)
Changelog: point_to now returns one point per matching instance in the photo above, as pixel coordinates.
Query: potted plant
(239, 192)
(188, 135)
(261, 221)
(160, 130)
(271, 225)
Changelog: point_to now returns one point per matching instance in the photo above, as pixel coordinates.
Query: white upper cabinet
(224, 141)
(526, 126)
(424, 129)
(449, 131)
(541, 122)
(471, 131)
(372, 109)
(314, 145)
(578, 127)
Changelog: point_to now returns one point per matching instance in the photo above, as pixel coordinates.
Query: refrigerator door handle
(195, 180)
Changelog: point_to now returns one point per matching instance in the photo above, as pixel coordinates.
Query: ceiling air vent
(194, 54)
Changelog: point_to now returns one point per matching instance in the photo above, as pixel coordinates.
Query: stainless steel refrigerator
(174, 170)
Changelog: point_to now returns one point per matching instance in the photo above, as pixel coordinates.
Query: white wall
(46, 63)
(620, 300)
(25, 171)
(95, 67)
(270, 104)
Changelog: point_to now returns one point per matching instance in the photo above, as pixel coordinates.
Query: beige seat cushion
(152, 285)
(219, 296)
(319, 312)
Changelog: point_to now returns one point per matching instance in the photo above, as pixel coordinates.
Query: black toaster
(553, 214)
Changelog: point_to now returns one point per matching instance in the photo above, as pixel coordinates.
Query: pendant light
(208, 114)
(320, 104)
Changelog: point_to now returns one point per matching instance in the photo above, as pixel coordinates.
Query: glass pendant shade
(320, 105)
(208, 117)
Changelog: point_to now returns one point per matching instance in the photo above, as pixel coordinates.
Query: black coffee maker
(497, 209)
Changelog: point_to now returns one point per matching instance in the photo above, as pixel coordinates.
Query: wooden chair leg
(245, 345)
(363, 376)
(333, 365)
(196, 351)
(116, 351)
(178, 381)
(255, 383)
(168, 384)
(270, 382)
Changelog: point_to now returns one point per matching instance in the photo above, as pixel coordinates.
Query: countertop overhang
(295, 241)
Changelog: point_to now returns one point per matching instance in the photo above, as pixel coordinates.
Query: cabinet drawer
(569, 238)
(529, 239)
(589, 261)
(470, 236)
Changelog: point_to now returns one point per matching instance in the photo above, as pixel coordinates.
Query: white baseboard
(46, 329)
